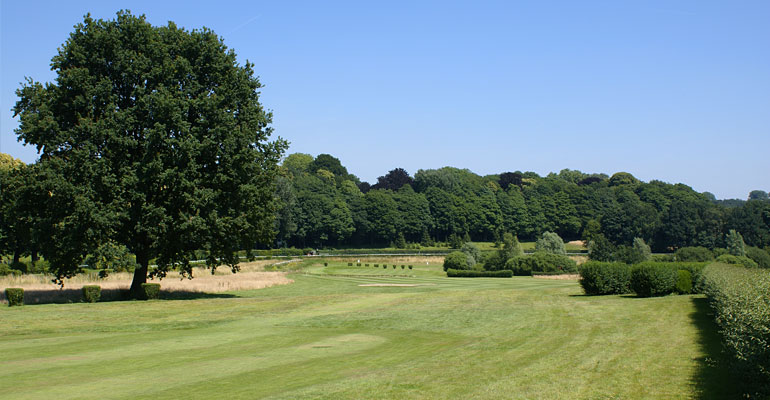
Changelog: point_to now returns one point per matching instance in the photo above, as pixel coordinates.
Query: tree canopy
(152, 138)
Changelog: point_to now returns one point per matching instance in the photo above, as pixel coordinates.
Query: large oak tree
(153, 138)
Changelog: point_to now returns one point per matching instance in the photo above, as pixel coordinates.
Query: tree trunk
(16, 256)
(140, 276)
(34, 257)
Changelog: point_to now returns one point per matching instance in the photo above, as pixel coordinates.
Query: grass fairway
(325, 336)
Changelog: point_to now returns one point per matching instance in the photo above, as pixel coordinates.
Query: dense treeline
(321, 204)
(324, 205)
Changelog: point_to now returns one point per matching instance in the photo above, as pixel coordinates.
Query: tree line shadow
(67, 296)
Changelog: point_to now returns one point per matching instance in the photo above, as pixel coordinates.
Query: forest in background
(321, 204)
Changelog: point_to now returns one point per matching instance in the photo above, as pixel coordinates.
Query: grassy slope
(326, 337)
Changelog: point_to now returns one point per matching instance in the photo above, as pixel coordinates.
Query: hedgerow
(597, 277)
(737, 260)
(740, 298)
(650, 279)
(694, 254)
(541, 262)
(462, 273)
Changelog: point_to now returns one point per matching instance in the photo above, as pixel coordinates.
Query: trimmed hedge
(92, 293)
(464, 273)
(650, 279)
(597, 277)
(684, 282)
(541, 262)
(151, 291)
(15, 296)
(740, 298)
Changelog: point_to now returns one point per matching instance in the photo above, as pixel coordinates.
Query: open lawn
(332, 335)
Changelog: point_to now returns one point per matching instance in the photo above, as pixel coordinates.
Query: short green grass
(325, 336)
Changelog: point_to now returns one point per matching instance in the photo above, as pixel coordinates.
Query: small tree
(400, 242)
(455, 260)
(735, 244)
(600, 249)
(550, 242)
(473, 253)
(511, 246)
(640, 250)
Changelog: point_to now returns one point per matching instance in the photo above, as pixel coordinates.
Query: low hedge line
(597, 277)
(541, 262)
(646, 279)
(462, 273)
(740, 298)
(15, 296)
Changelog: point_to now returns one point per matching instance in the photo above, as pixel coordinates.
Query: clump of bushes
(456, 260)
(150, 291)
(92, 293)
(463, 273)
(694, 254)
(737, 260)
(650, 279)
(541, 262)
(7, 270)
(15, 296)
(394, 266)
(597, 277)
(759, 256)
(740, 298)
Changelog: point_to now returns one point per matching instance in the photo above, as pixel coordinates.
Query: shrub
(358, 264)
(473, 252)
(740, 298)
(376, 265)
(640, 250)
(600, 249)
(684, 282)
(15, 296)
(92, 293)
(599, 278)
(410, 267)
(403, 266)
(759, 256)
(694, 254)
(6, 270)
(384, 266)
(366, 265)
(150, 291)
(653, 279)
(550, 242)
(663, 258)
(737, 260)
(455, 260)
(326, 264)
(394, 266)
(460, 273)
(541, 262)
(350, 264)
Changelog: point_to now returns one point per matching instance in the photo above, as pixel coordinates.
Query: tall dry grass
(40, 289)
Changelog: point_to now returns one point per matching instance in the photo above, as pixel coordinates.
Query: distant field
(327, 335)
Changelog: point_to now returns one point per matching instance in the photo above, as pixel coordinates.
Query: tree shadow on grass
(713, 378)
(66, 296)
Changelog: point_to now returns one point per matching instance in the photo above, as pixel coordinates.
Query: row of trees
(322, 204)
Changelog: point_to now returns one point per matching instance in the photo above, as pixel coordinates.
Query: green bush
(394, 266)
(366, 265)
(550, 242)
(15, 296)
(653, 279)
(403, 266)
(350, 264)
(597, 277)
(684, 282)
(740, 298)
(376, 265)
(92, 293)
(461, 273)
(759, 256)
(663, 258)
(455, 260)
(410, 267)
(737, 260)
(358, 264)
(541, 262)
(6, 270)
(326, 264)
(150, 291)
(694, 254)
(384, 266)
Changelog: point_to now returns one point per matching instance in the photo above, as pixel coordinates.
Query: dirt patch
(394, 284)
(566, 277)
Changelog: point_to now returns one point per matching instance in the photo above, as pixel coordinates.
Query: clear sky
(672, 90)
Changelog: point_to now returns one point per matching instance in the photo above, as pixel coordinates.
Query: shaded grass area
(324, 336)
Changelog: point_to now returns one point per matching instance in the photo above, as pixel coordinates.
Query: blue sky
(672, 90)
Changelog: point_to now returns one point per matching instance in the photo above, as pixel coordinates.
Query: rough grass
(39, 288)
(325, 336)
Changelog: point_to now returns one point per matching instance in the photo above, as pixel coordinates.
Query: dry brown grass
(40, 289)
